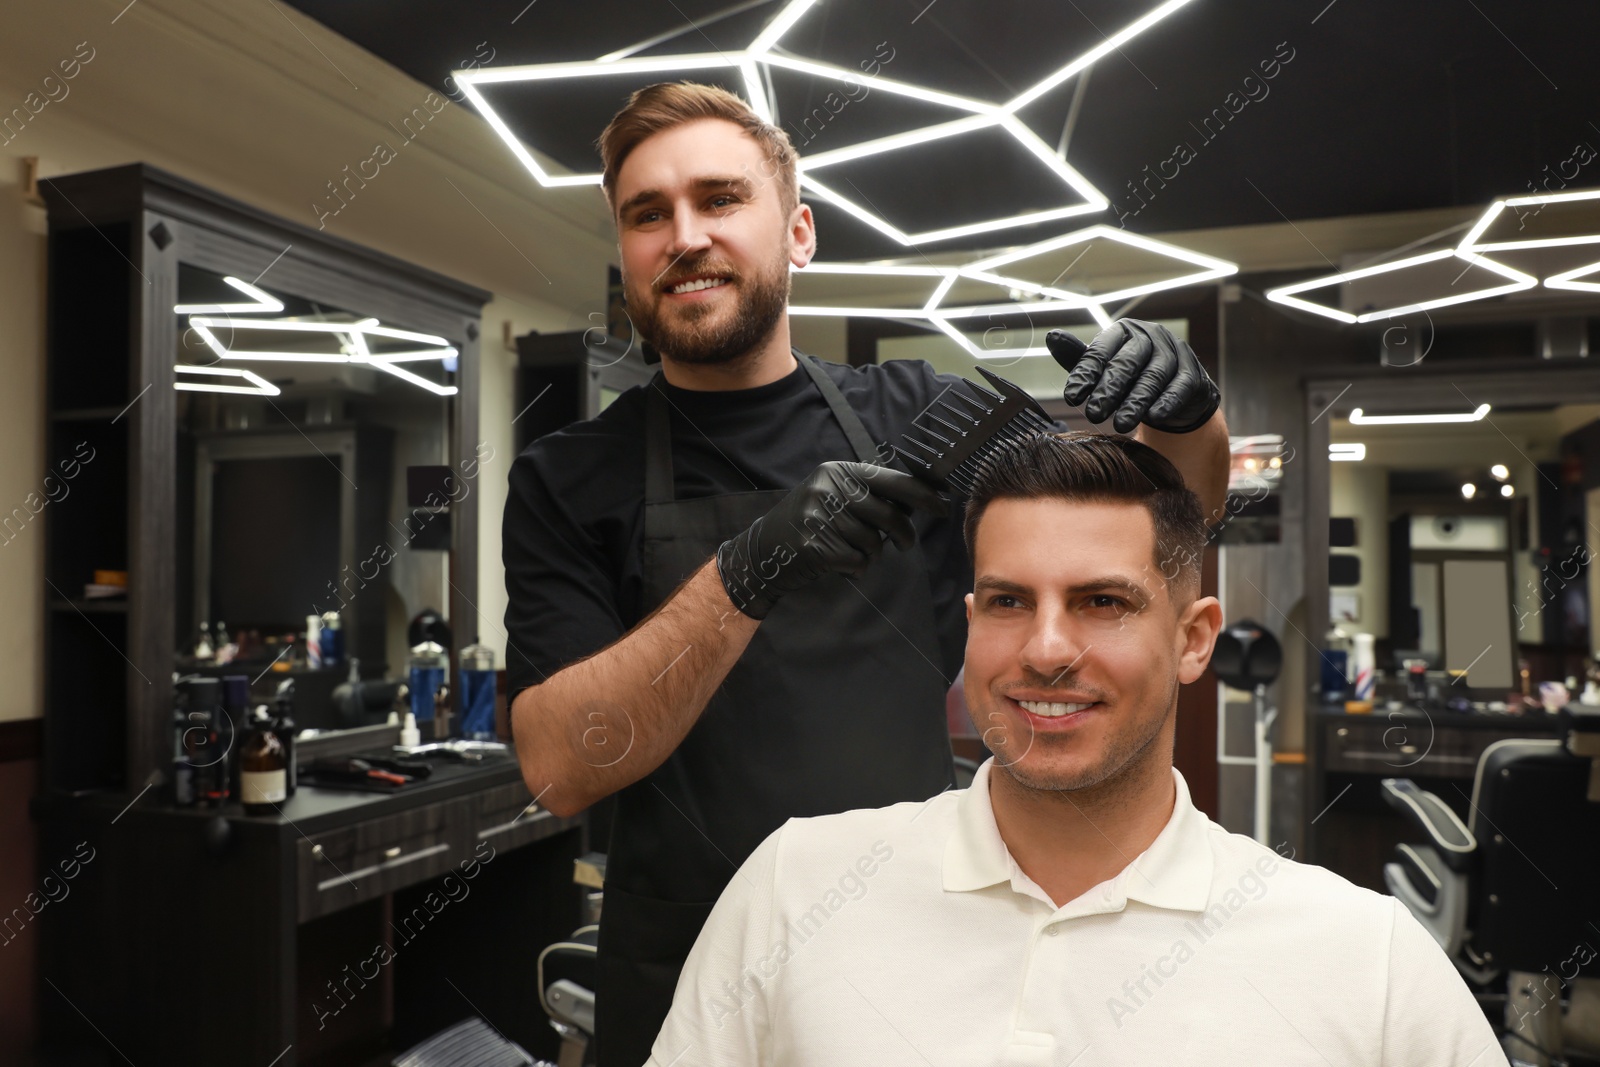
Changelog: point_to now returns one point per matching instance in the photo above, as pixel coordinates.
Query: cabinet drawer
(355, 863)
(507, 816)
(1404, 747)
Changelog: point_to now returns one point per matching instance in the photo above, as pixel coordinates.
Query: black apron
(837, 703)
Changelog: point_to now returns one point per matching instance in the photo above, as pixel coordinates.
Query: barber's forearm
(607, 721)
(1201, 457)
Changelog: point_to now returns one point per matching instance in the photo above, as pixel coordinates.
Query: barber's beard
(711, 333)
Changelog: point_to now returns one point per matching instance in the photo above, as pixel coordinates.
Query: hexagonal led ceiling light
(354, 348)
(979, 115)
(1566, 279)
(1518, 281)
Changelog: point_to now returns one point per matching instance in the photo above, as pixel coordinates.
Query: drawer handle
(391, 853)
(316, 850)
(349, 878)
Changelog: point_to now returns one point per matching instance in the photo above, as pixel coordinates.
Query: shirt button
(1053, 930)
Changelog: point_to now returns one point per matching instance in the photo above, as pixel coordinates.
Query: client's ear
(1198, 627)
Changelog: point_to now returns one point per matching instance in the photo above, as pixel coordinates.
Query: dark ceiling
(1374, 107)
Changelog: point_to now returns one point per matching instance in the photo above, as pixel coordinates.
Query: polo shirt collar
(1174, 872)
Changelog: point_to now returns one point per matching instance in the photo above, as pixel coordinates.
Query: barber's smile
(1061, 711)
(697, 287)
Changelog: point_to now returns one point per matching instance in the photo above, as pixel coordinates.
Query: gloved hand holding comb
(1133, 372)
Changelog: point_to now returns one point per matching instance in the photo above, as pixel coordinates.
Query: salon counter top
(312, 808)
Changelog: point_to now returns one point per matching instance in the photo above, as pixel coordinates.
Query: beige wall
(1361, 491)
(256, 101)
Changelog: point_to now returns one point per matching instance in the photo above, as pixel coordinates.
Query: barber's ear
(803, 235)
(1197, 636)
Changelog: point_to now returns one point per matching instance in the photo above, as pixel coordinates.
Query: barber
(721, 607)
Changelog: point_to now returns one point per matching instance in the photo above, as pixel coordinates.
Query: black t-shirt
(574, 515)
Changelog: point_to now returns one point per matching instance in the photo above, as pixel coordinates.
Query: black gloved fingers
(1162, 371)
(1085, 374)
(1065, 348)
(899, 487)
(1120, 375)
(1185, 383)
(881, 514)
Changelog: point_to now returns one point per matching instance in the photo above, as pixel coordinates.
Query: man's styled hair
(666, 105)
(1098, 468)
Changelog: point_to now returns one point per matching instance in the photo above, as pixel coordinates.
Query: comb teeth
(952, 438)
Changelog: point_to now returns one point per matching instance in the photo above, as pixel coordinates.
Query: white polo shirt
(907, 935)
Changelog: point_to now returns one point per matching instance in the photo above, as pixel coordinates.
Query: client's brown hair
(1096, 467)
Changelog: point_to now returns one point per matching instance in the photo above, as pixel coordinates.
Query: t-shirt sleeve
(561, 600)
(1430, 1017)
(721, 1011)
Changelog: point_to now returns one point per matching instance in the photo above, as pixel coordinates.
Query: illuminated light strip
(909, 139)
(261, 300)
(779, 26)
(983, 114)
(1211, 267)
(1351, 453)
(755, 90)
(1470, 242)
(1360, 418)
(1052, 159)
(957, 336)
(888, 85)
(355, 333)
(1568, 279)
(1518, 282)
(1110, 44)
(850, 208)
(261, 386)
(364, 356)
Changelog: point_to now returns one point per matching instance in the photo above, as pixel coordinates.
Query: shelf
(108, 605)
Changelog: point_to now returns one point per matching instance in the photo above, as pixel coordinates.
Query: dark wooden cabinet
(193, 936)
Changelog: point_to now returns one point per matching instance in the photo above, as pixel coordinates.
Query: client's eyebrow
(709, 184)
(1106, 584)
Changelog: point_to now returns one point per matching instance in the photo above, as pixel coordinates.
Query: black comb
(956, 434)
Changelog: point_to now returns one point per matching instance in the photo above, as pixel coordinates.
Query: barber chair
(1512, 893)
(566, 992)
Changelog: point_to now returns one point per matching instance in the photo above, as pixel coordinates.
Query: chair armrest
(1433, 817)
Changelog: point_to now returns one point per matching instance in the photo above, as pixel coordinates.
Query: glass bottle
(263, 768)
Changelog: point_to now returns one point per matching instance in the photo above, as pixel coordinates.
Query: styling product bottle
(314, 642)
(332, 639)
(183, 771)
(477, 692)
(206, 738)
(283, 726)
(263, 769)
(1364, 667)
(202, 646)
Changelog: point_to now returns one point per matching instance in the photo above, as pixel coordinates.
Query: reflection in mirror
(311, 540)
(1464, 550)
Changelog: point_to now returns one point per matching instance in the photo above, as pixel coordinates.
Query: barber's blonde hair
(666, 105)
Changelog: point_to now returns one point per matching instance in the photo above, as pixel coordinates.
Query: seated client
(1072, 907)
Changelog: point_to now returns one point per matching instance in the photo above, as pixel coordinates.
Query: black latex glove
(1135, 371)
(834, 522)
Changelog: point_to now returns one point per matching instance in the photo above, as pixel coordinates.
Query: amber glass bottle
(263, 768)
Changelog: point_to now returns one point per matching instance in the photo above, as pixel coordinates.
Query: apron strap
(658, 483)
(843, 413)
(658, 479)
